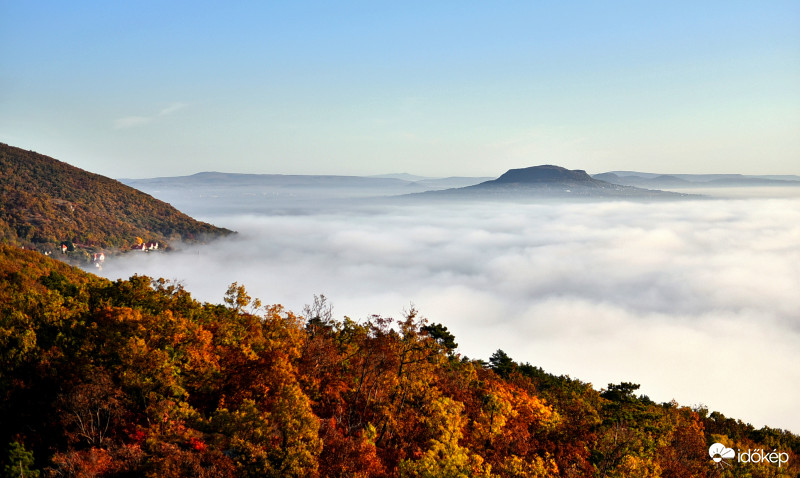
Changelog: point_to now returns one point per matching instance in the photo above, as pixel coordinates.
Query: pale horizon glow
(432, 89)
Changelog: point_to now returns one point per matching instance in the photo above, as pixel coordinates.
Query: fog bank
(695, 300)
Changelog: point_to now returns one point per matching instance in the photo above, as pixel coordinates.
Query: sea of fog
(697, 301)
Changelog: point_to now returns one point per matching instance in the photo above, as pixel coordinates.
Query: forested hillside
(44, 202)
(135, 378)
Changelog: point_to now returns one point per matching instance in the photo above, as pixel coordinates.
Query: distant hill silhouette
(651, 180)
(44, 202)
(549, 181)
(543, 174)
(219, 194)
(300, 184)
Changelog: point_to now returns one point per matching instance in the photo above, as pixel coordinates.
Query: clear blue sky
(152, 88)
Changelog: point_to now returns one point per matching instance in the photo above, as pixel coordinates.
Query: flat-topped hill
(541, 174)
(549, 182)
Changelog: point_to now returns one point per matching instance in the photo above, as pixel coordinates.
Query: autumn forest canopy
(136, 378)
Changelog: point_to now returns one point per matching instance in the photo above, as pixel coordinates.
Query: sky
(144, 89)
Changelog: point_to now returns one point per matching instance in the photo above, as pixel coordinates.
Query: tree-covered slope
(136, 378)
(44, 202)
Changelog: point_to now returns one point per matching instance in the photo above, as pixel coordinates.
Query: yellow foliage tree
(445, 458)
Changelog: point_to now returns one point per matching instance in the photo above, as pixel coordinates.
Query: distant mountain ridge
(214, 178)
(44, 202)
(220, 194)
(388, 184)
(652, 180)
(217, 193)
(549, 181)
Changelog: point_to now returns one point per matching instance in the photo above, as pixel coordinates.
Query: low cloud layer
(697, 301)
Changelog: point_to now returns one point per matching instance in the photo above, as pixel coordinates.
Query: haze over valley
(604, 290)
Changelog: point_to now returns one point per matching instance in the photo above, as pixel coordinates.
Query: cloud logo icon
(718, 451)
